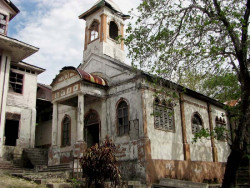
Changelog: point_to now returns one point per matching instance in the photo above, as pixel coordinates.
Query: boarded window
(113, 30)
(122, 114)
(16, 82)
(196, 123)
(3, 24)
(163, 115)
(66, 131)
(94, 31)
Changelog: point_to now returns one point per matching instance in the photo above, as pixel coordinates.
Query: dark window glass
(66, 132)
(123, 123)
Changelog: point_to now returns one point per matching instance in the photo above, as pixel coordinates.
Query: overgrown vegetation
(99, 164)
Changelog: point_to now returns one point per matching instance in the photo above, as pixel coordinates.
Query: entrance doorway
(11, 132)
(91, 129)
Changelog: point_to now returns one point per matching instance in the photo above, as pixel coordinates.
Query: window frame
(68, 132)
(122, 100)
(15, 83)
(202, 123)
(91, 29)
(165, 107)
(4, 24)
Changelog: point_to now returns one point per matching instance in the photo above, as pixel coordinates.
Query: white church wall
(201, 150)
(165, 145)
(223, 149)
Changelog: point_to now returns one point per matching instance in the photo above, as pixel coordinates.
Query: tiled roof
(92, 78)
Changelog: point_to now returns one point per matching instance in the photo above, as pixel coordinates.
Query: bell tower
(104, 25)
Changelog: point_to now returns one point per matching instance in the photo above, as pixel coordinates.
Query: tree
(204, 36)
(99, 164)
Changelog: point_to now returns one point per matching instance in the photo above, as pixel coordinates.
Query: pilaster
(214, 149)
(186, 147)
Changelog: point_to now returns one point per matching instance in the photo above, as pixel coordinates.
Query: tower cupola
(104, 25)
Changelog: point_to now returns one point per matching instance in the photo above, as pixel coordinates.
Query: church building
(105, 96)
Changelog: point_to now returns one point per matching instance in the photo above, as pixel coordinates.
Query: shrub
(99, 164)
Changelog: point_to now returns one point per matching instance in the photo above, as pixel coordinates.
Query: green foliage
(203, 133)
(75, 183)
(99, 164)
(223, 87)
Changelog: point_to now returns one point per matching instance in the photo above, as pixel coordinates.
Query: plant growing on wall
(99, 164)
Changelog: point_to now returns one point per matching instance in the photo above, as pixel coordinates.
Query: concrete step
(57, 168)
(173, 183)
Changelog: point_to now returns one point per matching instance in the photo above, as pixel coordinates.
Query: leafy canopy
(194, 35)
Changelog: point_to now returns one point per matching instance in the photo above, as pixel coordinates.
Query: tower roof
(102, 3)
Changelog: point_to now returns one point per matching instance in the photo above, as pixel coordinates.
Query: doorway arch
(91, 128)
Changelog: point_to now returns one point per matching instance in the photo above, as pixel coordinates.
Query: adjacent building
(18, 85)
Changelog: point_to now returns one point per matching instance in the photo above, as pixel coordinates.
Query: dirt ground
(7, 181)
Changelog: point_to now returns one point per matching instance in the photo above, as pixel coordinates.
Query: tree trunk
(233, 163)
(241, 140)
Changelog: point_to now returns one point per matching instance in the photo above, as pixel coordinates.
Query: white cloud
(54, 27)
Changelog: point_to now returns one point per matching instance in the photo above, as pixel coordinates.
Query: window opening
(11, 132)
(196, 124)
(66, 132)
(122, 112)
(113, 30)
(3, 23)
(163, 115)
(220, 125)
(16, 82)
(94, 34)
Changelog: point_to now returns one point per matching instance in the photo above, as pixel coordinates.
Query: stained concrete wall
(25, 105)
(201, 150)
(223, 149)
(43, 134)
(165, 145)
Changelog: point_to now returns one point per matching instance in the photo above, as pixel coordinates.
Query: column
(214, 149)
(80, 117)
(55, 124)
(4, 80)
(103, 34)
(186, 147)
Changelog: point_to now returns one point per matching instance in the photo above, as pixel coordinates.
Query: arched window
(94, 31)
(163, 115)
(113, 30)
(122, 118)
(66, 127)
(196, 123)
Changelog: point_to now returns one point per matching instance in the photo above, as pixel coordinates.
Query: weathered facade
(18, 85)
(104, 96)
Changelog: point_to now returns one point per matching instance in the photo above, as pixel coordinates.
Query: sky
(53, 26)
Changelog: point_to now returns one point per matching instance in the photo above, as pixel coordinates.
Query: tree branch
(232, 34)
